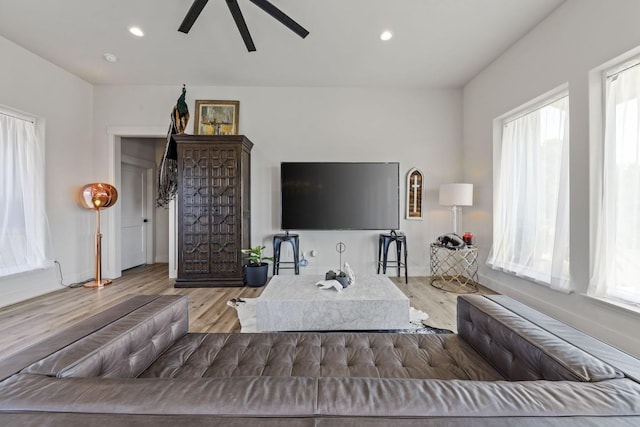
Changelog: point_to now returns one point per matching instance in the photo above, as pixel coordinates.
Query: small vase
(344, 281)
(468, 238)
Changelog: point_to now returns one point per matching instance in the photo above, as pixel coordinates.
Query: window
(616, 266)
(24, 232)
(531, 203)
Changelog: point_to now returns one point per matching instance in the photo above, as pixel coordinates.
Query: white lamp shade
(456, 194)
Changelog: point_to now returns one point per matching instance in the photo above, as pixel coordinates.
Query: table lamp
(456, 195)
(98, 196)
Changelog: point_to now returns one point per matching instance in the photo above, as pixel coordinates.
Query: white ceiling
(436, 43)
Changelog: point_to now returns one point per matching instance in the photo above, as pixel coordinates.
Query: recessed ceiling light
(110, 57)
(136, 31)
(386, 35)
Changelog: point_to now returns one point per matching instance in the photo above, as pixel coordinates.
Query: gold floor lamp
(98, 196)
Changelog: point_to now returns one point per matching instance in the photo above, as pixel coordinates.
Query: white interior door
(134, 215)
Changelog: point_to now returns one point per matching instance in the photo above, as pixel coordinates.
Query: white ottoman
(295, 303)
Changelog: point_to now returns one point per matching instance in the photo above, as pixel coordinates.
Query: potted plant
(256, 269)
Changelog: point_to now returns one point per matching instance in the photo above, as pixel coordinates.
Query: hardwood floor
(27, 322)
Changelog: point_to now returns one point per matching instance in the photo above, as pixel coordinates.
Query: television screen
(340, 196)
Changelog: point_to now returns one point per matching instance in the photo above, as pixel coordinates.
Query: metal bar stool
(384, 242)
(295, 243)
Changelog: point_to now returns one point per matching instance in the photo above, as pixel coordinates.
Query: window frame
(499, 123)
(598, 92)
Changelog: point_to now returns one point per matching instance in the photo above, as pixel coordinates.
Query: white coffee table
(295, 303)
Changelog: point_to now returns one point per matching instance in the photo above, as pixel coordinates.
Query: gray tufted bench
(137, 364)
(346, 355)
(123, 348)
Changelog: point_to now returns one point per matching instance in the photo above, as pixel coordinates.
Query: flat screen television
(340, 196)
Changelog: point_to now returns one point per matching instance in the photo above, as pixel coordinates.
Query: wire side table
(454, 270)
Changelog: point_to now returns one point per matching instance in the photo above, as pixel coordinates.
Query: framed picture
(216, 117)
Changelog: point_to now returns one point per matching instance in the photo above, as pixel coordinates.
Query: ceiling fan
(234, 8)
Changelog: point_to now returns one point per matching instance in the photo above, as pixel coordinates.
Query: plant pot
(329, 276)
(344, 281)
(256, 275)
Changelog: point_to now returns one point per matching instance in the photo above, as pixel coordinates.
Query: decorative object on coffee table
(340, 277)
(330, 284)
(350, 274)
(256, 269)
(330, 275)
(341, 247)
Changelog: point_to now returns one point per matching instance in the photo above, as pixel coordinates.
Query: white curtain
(24, 233)
(531, 197)
(616, 261)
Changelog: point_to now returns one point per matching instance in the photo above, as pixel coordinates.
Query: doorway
(136, 211)
(164, 225)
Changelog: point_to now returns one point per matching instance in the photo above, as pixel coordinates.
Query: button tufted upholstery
(521, 350)
(137, 365)
(123, 348)
(372, 355)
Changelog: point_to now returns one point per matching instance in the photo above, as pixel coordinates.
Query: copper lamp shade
(98, 196)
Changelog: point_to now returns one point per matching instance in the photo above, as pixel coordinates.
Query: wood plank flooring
(28, 322)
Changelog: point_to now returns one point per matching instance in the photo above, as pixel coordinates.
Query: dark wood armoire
(214, 209)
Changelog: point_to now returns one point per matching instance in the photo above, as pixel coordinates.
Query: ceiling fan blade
(281, 16)
(242, 26)
(192, 15)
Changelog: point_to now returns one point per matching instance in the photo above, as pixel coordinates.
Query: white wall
(577, 37)
(33, 85)
(419, 128)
